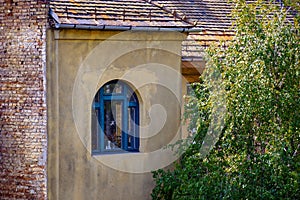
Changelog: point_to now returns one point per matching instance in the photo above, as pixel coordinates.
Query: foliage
(257, 154)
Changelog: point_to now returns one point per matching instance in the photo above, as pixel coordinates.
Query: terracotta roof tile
(114, 13)
(212, 17)
(206, 14)
(194, 46)
(209, 15)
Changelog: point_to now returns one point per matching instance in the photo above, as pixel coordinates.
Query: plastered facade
(79, 62)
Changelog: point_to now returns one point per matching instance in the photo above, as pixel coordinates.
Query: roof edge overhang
(59, 25)
(126, 28)
(192, 59)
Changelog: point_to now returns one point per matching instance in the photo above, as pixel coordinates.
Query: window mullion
(101, 117)
(136, 129)
(125, 121)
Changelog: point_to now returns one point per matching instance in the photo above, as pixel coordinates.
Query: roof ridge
(173, 12)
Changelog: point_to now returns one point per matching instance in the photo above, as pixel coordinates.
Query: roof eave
(59, 25)
(126, 28)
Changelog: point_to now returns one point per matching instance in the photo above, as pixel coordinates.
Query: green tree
(257, 154)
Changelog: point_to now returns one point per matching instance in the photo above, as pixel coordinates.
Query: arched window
(115, 119)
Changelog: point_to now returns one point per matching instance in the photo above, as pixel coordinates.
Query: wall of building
(23, 129)
(79, 63)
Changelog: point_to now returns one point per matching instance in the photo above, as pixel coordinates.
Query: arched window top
(115, 119)
(114, 87)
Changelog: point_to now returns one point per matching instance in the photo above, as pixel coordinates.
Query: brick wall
(23, 131)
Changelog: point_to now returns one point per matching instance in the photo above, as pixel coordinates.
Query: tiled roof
(206, 14)
(195, 44)
(209, 18)
(212, 17)
(209, 15)
(120, 13)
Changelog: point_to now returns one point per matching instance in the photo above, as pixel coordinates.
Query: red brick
(23, 130)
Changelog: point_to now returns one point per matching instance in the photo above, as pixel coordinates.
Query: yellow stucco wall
(79, 62)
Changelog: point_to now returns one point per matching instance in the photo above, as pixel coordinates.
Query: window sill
(116, 152)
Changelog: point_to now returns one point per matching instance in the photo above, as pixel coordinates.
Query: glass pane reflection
(113, 88)
(113, 124)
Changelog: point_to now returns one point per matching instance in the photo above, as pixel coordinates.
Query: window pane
(131, 96)
(113, 88)
(112, 124)
(119, 120)
(131, 126)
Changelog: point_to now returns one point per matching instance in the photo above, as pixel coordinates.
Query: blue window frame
(115, 119)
